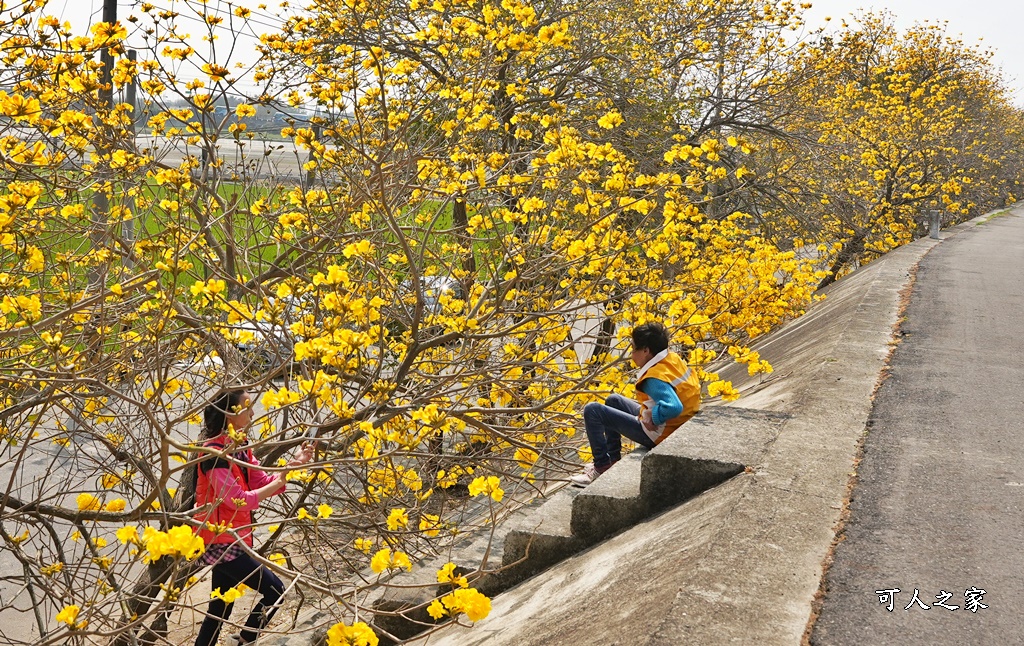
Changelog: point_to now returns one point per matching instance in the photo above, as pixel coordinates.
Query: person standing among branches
(667, 395)
(231, 488)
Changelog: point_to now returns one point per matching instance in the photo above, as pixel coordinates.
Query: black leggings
(241, 569)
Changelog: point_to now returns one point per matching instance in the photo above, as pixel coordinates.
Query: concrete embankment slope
(740, 563)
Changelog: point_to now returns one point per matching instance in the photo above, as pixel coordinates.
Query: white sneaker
(588, 475)
(235, 639)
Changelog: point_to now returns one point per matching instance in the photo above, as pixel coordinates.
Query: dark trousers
(608, 423)
(241, 569)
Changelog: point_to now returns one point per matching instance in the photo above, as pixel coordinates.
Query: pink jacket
(230, 488)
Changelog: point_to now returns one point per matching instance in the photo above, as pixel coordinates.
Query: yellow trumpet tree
(897, 124)
(485, 197)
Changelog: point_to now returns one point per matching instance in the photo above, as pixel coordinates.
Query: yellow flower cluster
(88, 502)
(176, 542)
(117, 504)
(468, 601)
(430, 524)
(526, 457)
(281, 397)
(489, 485)
(364, 545)
(128, 534)
(208, 291)
(447, 575)
(358, 634)
(398, 519)
(229, 596)
(386, 560)
(52, 569)
(723, 389)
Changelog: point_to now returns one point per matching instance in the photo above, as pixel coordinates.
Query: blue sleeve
(666, 401)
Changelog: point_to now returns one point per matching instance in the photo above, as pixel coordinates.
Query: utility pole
(97, 275)
(106, 57)
(128, 228)
(100, 200)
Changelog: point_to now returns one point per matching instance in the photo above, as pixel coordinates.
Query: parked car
(400, 315)
(268, 353)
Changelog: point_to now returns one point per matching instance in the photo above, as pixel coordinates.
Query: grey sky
(998, 22)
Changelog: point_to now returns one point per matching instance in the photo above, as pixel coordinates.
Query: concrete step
(611, 503)
(717, 444)
(534, 542)
(529, 541)
(714, 446)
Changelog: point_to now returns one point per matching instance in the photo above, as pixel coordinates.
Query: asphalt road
(939, 504)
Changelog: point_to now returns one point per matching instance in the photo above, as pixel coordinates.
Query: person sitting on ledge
(667, 394)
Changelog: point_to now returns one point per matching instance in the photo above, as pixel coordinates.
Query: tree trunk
(461, 221)
(605, 338)
(147, 589)
(852, 248)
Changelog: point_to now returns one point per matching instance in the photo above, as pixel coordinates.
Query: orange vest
(670, 368)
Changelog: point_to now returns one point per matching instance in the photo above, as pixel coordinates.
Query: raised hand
(305, 455)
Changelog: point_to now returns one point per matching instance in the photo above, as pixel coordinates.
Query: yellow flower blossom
(179, 541)
(398, 519)
(231, 595)
(87, 502)
(358, 634)
(430, 524)
(117, 504)
(68, 615)
(215, 72)
(610, 120)
(362, 248)
(412, 480)
(106, 33)
(385, 559)
(447, 575)
(489, 485)
(526, 457)
(469, 601)
(364, 545)
(52, 569)
(128, 534)
(435, 609)
(723, 389)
